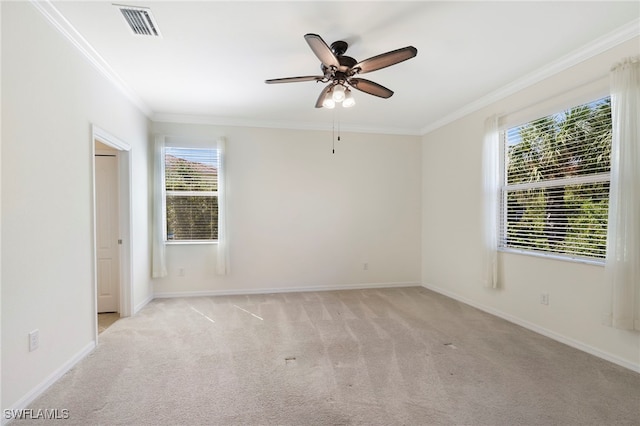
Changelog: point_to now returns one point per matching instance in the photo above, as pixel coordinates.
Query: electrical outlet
(181, 272)
(544, 298)
(34, 340)
(365, 266)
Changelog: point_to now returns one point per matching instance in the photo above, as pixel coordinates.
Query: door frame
(124, 218)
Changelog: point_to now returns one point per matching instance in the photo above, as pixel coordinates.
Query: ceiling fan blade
(321, 50)
(295, 79)
(322, 95)
(385, 60)
(370, 87)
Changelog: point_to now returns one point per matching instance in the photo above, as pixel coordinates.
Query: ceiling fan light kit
(328, 101)
(338, 94)
(340, 72)
(349, 100)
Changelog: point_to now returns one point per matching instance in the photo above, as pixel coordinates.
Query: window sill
(596, 262)
(192, 242)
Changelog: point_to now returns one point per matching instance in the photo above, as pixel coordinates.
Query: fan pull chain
(338, 112)
(333, 132)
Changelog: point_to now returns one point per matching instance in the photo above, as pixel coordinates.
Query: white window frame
(595, 91)
(166, 193)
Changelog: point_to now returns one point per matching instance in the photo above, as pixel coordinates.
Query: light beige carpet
(404, 356)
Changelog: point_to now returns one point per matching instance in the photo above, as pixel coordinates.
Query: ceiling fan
(341, 71)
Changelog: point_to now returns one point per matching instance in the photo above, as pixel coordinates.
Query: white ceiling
(213, 57)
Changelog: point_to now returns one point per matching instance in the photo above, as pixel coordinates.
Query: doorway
(112, 229)
(107, 229)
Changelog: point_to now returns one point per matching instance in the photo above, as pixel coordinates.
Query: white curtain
(159, 263)
(490, 201)
(622, 268)
(222, 257)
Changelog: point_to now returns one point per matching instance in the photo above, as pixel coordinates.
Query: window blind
(556, 182)
(191, 187)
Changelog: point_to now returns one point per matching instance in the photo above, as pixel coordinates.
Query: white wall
(50, 97)
(301, 217)
(451, 231)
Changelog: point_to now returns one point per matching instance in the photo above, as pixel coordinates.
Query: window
(555, 184)
(191, 194)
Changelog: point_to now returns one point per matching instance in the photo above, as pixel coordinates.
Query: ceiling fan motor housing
(346, 62)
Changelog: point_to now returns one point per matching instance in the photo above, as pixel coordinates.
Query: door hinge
(120, 242)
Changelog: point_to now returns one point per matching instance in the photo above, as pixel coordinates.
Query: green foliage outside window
(192, 218)
(191, 183)
(557, 182)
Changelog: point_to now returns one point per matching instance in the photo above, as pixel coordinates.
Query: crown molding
(60, 23)
(232, 122)
(600, 45)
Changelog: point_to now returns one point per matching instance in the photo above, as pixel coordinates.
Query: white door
(108, 249)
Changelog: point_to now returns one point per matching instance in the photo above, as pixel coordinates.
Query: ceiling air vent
(140, 20)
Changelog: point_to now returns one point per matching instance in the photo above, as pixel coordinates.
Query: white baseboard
(540, 330)
(142, 304)
(34, 393)
(161, 295)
